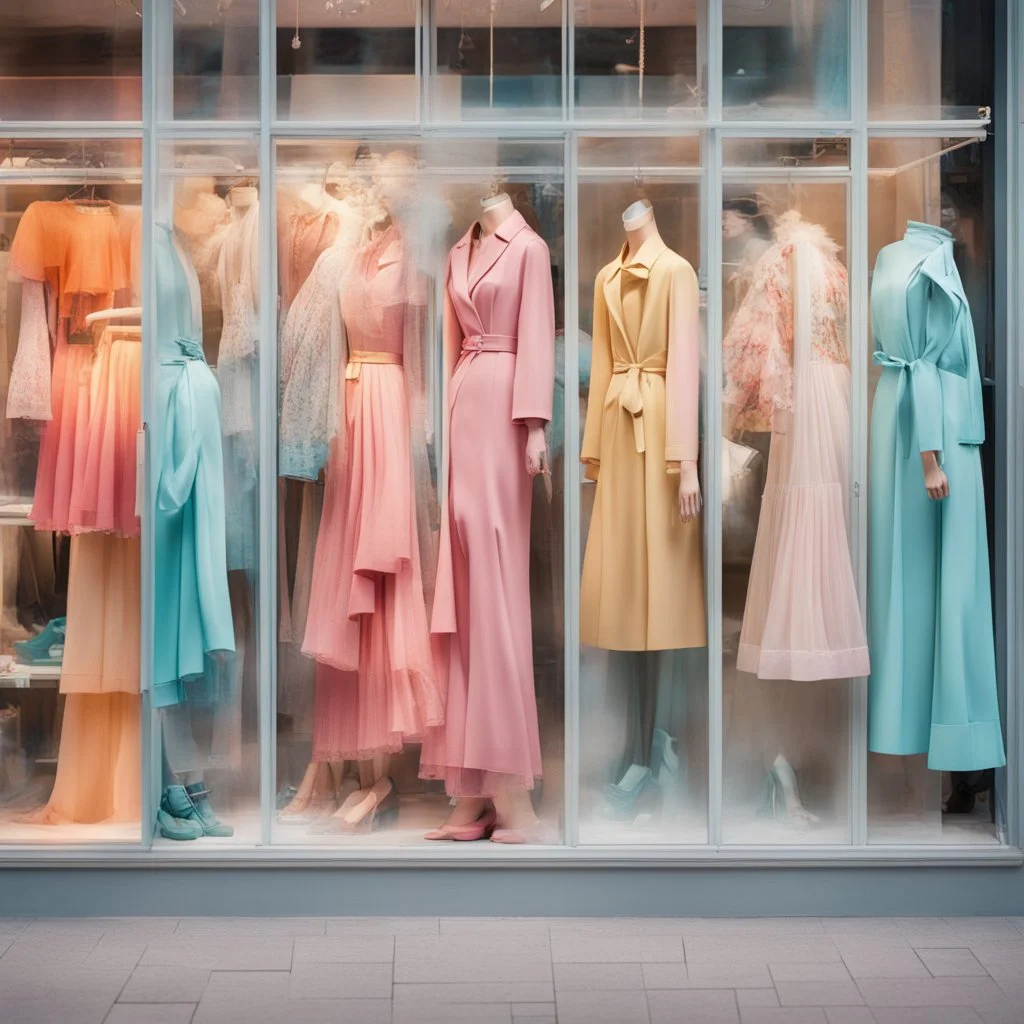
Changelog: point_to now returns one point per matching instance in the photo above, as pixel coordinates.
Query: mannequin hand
(936, 482)
(536, 451)
(689, 492)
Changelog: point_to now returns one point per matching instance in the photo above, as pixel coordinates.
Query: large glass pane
(70, 62)
(204, 473)
(934, 728)
(643, 659)
(639, 59)
(785, 59)
(792, 632)
(929, 60)
(495, 61)
(347, 60)
(406, 526)
(216, 59)
(70, 382)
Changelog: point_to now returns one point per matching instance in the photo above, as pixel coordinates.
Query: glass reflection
(785, 59)
(792, 629)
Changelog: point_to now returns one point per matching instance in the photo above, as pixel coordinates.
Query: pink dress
(499, 339)
(367, 620)
(787, 370)
(82, 257)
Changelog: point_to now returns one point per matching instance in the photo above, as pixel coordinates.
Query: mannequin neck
(495, 210)
(640, 225)
(244, 196)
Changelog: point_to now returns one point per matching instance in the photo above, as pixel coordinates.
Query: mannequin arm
(935, 480)
(536, 448)
(689, 491)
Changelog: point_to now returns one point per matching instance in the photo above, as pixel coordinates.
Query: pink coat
(499, 359)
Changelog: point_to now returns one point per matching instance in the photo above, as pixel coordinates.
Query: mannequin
(640, 225)
(499, 355)
(641, 433)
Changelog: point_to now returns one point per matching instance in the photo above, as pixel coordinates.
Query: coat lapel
(495, 248)
(613, 294)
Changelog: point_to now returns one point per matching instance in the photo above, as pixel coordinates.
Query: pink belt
(489, 343)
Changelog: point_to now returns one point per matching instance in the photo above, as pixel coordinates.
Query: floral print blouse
(758, 347)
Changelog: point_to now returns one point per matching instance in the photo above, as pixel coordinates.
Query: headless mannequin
(513, 807)
(639, 224)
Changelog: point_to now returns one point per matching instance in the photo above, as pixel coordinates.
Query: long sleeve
(682, 375)
(29, 389)
(210, 525)
(534, 386)
(600, 378)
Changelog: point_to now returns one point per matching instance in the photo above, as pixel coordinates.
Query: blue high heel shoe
(623, 795)
(45, 648)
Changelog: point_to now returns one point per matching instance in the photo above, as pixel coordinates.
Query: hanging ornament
(296, 41)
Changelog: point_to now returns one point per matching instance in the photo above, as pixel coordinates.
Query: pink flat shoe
(532, 834)
(479, 829)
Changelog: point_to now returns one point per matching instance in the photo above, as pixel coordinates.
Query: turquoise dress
(933, 680)
(192, 609)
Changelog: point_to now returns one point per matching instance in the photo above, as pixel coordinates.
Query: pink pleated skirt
(103, 488)
(367, 620)
(802, 618)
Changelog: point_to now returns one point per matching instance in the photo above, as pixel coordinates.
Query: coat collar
(640, 263)
(486, 258)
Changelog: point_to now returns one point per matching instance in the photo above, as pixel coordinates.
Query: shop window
(70, 705)
(792, 631)
(496, 61)
(215, 60)
(934, 731)
(71, 63)
(204, 474)
(405, 526)
(785, 60)
(639, 59)
(643, 660)
(929, 61)
(347, 60)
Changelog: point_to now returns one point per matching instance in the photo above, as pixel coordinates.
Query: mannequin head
(396, 180)
(743, 217)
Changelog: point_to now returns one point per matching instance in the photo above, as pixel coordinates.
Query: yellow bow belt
(357, 358)
(631, 399)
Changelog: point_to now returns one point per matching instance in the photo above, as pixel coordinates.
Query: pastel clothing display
(643, 572)
(191, 601)
(82, 257)
(303, 233)
(787, 370)
(499, 337)
(933, 681)
(367, 617)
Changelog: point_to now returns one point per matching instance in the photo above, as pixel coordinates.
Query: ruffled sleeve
(37, 245)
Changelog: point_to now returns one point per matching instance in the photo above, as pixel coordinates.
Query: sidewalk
(527, 971)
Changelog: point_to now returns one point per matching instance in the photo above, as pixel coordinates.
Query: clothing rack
(892, 172)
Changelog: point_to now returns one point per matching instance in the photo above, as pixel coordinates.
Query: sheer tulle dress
(787, 369)
(367, 621)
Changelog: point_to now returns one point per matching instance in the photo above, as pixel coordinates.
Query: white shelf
(24, 677)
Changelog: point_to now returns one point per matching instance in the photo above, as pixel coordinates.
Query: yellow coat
(643, 572)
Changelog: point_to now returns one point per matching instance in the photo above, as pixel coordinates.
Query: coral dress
(499, 339)
(933, 681)
(367, 620)
(787, 370)
(82, 257)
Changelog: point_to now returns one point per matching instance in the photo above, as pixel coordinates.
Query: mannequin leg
(514, 809)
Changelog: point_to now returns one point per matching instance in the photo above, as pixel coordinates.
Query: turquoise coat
(933, 680)
(192, 609)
